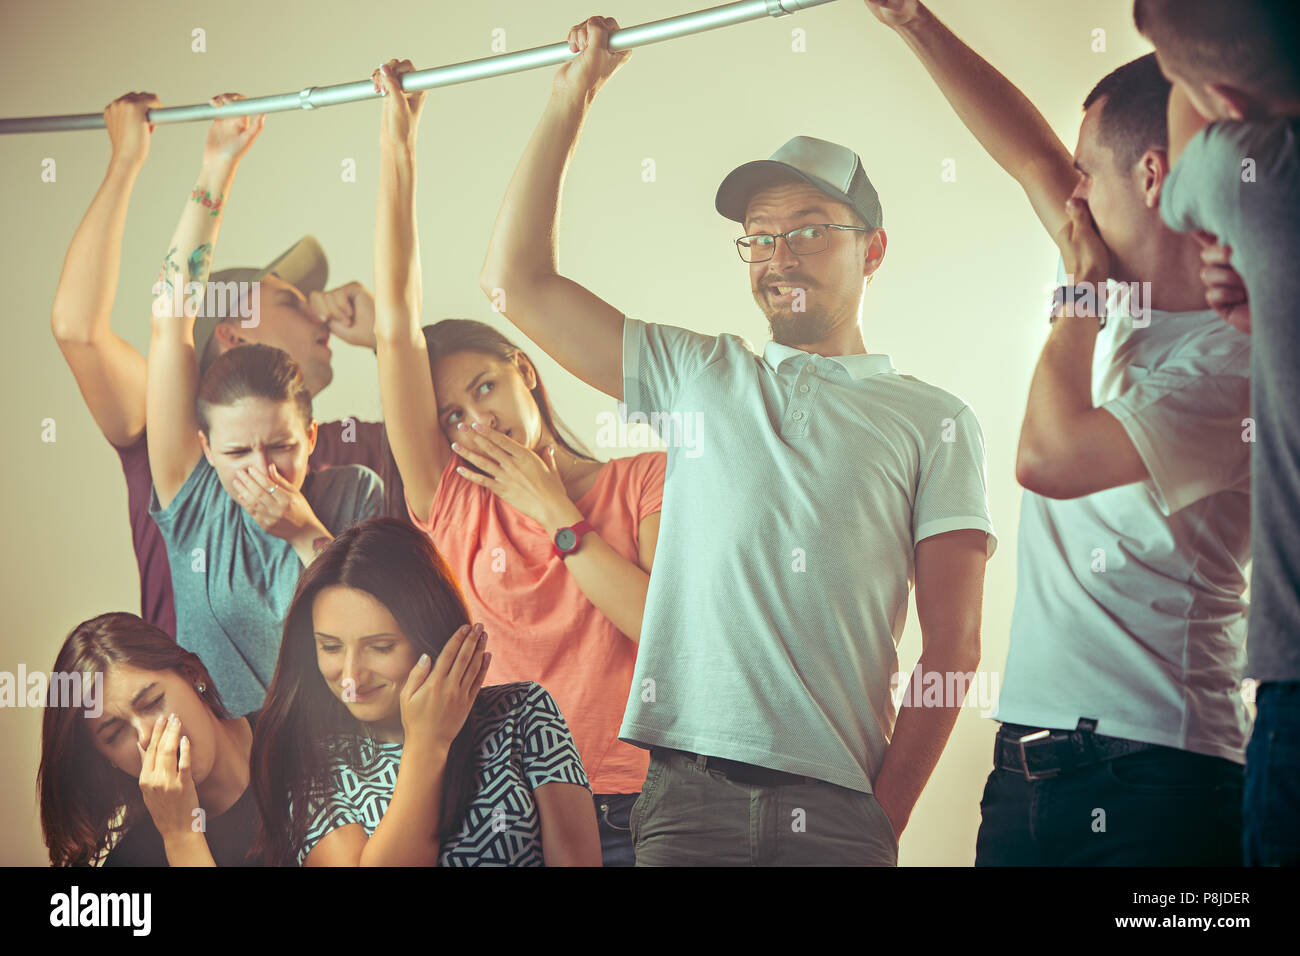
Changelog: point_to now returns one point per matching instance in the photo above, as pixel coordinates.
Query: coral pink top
(541, 626)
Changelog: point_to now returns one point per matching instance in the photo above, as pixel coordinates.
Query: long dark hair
(303, 727)
(85, 801)
(467, 335)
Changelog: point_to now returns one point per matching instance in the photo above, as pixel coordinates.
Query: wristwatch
(568, 539)
(1072, 294)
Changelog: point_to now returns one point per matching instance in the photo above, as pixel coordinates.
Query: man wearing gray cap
(286, 306)
(822, 484)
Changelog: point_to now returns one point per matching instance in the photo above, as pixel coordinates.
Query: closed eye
(144, 710)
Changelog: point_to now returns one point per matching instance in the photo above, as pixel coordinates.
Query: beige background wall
(958, 301)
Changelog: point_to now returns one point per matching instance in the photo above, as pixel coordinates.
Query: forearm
(110, 372)
(189, 255)
(188, 849)
(405, 379)
(523, 244)
(1061, 388)
(83, 301)
(921, 732)
(1009, 127)
(615, 585)
(408, 833)
(173, 365)
(398, 293)
(311, 542)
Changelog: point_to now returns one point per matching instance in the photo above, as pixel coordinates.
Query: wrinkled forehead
(254, 418)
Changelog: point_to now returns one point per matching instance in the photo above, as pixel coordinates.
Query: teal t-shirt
(233, 581)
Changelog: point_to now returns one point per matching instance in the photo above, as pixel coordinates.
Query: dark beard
(799, 328)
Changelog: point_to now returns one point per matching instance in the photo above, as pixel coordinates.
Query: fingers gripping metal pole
(316, 96)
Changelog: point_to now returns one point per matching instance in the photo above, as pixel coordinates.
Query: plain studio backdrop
(959, 301)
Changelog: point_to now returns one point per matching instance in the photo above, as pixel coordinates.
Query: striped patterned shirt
(523, 743)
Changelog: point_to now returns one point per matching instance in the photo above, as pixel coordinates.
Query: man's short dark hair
(1134, 109)
(1253, 45)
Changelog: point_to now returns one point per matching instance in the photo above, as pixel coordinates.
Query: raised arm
(405, 380)
(1007, 125)
(109, 371)
(173, 379)
(520, 275)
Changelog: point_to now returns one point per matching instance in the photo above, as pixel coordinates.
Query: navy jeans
(1272, 808)
(1158, 807)
(612, 813)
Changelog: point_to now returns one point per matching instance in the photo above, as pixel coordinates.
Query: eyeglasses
(804, 241)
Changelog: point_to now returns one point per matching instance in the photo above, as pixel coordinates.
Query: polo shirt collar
(858, 366)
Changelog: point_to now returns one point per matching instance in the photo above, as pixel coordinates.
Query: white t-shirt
(797, 489)
(1129, 603)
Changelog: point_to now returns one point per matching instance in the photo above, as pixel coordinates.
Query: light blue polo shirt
(786, 545)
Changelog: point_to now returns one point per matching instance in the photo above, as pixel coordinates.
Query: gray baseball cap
(302, 265)
(834, 169)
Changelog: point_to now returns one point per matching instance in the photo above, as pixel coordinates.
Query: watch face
(565, 539)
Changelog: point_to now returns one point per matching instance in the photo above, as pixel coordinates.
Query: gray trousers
(691, 815)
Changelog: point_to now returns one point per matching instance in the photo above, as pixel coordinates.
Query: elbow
(492, 276)
(968, 654)
(504, 282)
(500, 282)
(490, 281)
(1044, 471)
(960, 654)
(70, 332)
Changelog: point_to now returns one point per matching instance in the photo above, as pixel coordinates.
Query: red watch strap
(579, 529)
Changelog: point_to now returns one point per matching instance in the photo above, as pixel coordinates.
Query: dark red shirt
(347, 442)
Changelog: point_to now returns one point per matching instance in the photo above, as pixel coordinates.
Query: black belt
(739, 772)
(1040, 753)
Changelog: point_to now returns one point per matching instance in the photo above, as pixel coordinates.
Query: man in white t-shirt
(1123, 726)
(818, 485)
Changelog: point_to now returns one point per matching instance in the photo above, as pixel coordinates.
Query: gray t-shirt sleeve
(1240, 181)
(952, 491)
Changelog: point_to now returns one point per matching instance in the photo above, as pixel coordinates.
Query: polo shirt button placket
(797, 423)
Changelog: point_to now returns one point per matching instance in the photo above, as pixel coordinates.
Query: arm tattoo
(199, 261)
(167, 275)
(207, 200)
